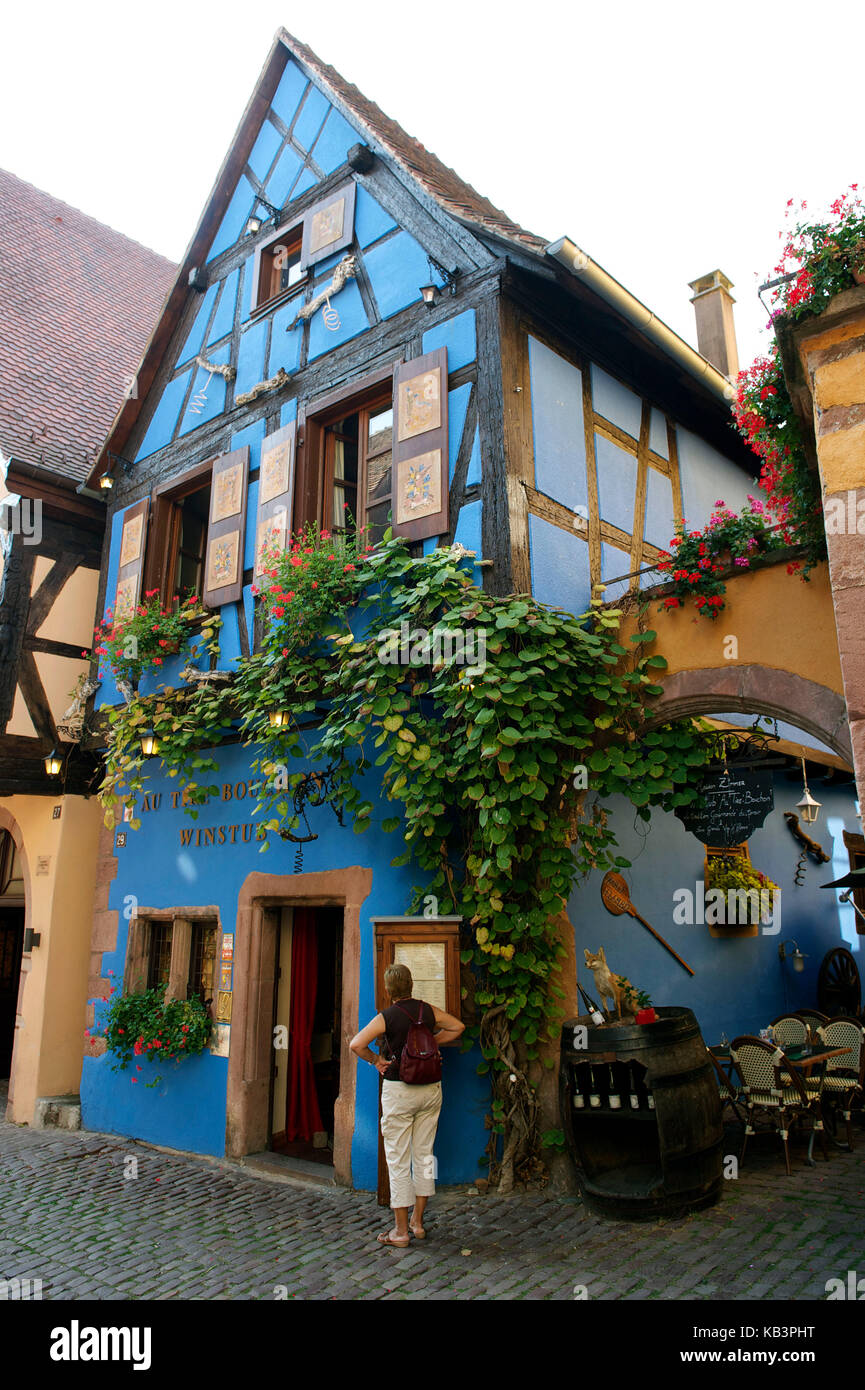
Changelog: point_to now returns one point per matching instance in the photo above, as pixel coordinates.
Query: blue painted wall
(739, 985)
(187, 1111)
(557, 426)
(559, 567)
(707, 477)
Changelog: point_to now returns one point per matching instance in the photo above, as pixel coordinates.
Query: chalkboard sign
(735, 804)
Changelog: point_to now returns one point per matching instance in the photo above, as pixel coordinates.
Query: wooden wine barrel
(641, 1116)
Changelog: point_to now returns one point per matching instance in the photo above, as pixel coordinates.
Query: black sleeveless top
(397, 1021)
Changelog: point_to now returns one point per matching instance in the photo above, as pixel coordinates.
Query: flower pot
(645, 1016)
(859, 275)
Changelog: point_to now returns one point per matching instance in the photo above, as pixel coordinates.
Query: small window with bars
(202, 963)
(159, 960)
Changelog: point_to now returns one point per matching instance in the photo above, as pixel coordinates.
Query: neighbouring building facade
(76, 303)
(336, 262)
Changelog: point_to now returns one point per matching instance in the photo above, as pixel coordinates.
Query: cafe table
(804, 1059)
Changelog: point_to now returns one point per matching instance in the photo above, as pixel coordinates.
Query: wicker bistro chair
(789, 1031)
(812, 1018)
(728, 1092)
(770, 1082)
(843, 1080)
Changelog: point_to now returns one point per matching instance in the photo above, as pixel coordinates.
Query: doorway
(11, 947)
(307, 1013)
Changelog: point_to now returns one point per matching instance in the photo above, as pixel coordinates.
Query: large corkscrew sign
(735, 803)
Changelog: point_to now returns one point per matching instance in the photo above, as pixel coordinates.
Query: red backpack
(421, 1061)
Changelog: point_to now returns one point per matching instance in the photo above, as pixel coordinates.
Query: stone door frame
(255, 949)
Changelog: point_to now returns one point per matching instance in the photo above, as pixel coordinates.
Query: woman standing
(409, 1113)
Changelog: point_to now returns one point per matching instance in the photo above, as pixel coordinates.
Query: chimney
(716, 332)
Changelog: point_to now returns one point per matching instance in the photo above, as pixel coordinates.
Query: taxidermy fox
(608, 985)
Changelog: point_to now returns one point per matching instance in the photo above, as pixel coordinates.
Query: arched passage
(14, 917)
(757, 689)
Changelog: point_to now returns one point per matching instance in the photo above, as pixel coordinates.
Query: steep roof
(453, 194)
(77, 301)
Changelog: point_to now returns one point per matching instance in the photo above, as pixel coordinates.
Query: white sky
(664, 138)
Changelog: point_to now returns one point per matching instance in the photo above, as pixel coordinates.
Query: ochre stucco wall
(61, 864)
(778, 621)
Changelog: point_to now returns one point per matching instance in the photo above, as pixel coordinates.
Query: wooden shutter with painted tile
(275, 493)
(419, 492)
(223, 568)
(133, 543)
(328, 226)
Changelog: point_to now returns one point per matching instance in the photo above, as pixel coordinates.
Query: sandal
(387, 1239)
(417, 1231)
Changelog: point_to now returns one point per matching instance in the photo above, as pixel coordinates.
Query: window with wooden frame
(198, 528)
(276, 270)
(346, 464)
(175, 950)
(178, 538)
(357, 471)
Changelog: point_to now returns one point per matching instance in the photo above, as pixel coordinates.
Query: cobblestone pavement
(186, 1228)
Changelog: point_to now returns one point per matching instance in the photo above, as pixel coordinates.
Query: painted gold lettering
(240, 791)
(226, 791)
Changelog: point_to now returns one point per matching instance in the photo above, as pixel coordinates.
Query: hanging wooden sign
(735, 804)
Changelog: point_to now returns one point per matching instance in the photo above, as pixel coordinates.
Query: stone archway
(8, 822)
(755, 689)
(261, 896)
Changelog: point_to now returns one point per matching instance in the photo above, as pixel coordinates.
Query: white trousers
(409, 1116)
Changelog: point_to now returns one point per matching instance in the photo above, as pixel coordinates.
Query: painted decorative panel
(616, 402)
(557, 426)
(559, 567)
(617, 483)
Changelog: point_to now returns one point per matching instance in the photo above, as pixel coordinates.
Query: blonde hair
(398, 981)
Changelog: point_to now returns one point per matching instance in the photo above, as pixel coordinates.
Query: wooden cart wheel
(838, 985)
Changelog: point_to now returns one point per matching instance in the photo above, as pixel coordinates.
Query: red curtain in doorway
(302, 1116)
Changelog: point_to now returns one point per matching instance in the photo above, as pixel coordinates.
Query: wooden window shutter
(275, 493)
(420, 447)
(133, 544)
(328, 226)
(223, 566)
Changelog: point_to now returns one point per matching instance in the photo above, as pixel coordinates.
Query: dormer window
(277, 272)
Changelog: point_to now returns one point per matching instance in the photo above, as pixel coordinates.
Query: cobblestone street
(187, 1228)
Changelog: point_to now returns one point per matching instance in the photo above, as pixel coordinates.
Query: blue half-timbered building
(335, 257)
